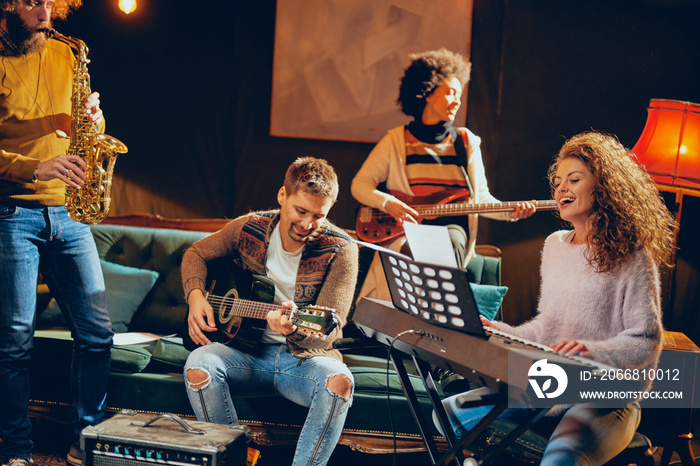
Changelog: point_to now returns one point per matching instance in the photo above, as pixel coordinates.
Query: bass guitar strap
(462, 157)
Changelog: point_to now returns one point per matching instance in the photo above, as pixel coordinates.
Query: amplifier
(132, 438)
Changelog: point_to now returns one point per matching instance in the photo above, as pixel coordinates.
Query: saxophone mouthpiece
(48, 31)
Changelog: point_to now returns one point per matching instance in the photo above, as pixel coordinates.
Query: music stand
(436, 294)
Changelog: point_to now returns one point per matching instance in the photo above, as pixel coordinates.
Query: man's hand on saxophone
(68, 168)
(92, 105)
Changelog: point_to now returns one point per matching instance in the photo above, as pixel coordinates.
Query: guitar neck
(245, 308)
(446, 210)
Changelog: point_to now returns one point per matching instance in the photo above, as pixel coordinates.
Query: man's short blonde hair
(311, 175)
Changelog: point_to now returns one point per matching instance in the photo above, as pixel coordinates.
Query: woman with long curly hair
(599, 293)
(628, 212)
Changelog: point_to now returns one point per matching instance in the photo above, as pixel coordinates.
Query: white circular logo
(546, 372)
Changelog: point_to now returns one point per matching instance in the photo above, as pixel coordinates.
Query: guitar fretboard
(245, 308)
(442, 210)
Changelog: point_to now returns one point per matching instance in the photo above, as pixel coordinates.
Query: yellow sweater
(35, 101)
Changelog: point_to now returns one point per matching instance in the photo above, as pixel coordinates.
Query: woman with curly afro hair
(599, 293)
(428, 158)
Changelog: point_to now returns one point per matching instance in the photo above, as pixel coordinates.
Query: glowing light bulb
(127, 6)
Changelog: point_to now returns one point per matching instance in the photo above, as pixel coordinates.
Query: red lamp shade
(669, 147)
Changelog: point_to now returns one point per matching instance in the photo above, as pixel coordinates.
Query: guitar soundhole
(227, 305)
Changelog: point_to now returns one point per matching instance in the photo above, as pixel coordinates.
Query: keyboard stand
(455, 455)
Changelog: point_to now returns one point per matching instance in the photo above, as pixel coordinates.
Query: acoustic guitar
(374, 226)
(241, 322)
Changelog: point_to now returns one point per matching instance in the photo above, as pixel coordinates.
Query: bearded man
(36, 232)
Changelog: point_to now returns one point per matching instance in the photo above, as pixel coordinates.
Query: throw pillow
(488, 298)
(126, 289)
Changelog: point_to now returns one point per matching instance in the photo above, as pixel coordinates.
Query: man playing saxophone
(36, 232)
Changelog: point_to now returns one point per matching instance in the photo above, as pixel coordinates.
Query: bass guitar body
(374, 226)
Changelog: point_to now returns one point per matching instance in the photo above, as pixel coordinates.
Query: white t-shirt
(281, 267)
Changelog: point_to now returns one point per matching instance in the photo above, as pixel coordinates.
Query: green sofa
(148, 376)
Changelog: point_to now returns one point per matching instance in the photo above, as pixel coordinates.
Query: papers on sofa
(120, 339)
(134, 338)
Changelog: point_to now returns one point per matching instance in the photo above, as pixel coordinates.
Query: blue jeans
(47, 239)
(581, 435)
(274, 371)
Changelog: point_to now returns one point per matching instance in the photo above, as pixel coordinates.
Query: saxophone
(90, 203)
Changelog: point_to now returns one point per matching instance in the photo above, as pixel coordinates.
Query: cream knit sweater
(616, 315)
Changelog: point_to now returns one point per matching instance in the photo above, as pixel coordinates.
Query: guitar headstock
(315, 319)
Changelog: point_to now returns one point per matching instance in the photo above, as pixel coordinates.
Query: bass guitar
(241, 322)
(374, 226)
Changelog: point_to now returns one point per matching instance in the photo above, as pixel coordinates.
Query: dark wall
(189, 90)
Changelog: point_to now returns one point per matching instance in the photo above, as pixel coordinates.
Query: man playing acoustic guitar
(310, 261)
(427, 158)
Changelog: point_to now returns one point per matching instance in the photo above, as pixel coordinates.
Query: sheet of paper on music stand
(379, 248)
(430, 244)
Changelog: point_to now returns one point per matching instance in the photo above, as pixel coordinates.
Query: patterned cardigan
(327, 272)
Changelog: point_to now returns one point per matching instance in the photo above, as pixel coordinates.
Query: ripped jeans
(582, 434)
(274, 371)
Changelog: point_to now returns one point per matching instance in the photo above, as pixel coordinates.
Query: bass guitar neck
(374, 226)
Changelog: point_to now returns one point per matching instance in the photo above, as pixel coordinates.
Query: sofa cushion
(126, 289)
(54, 348)
(164, 310)
(170, 354)
(485, 270)
(488, 298)
(131, 358)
